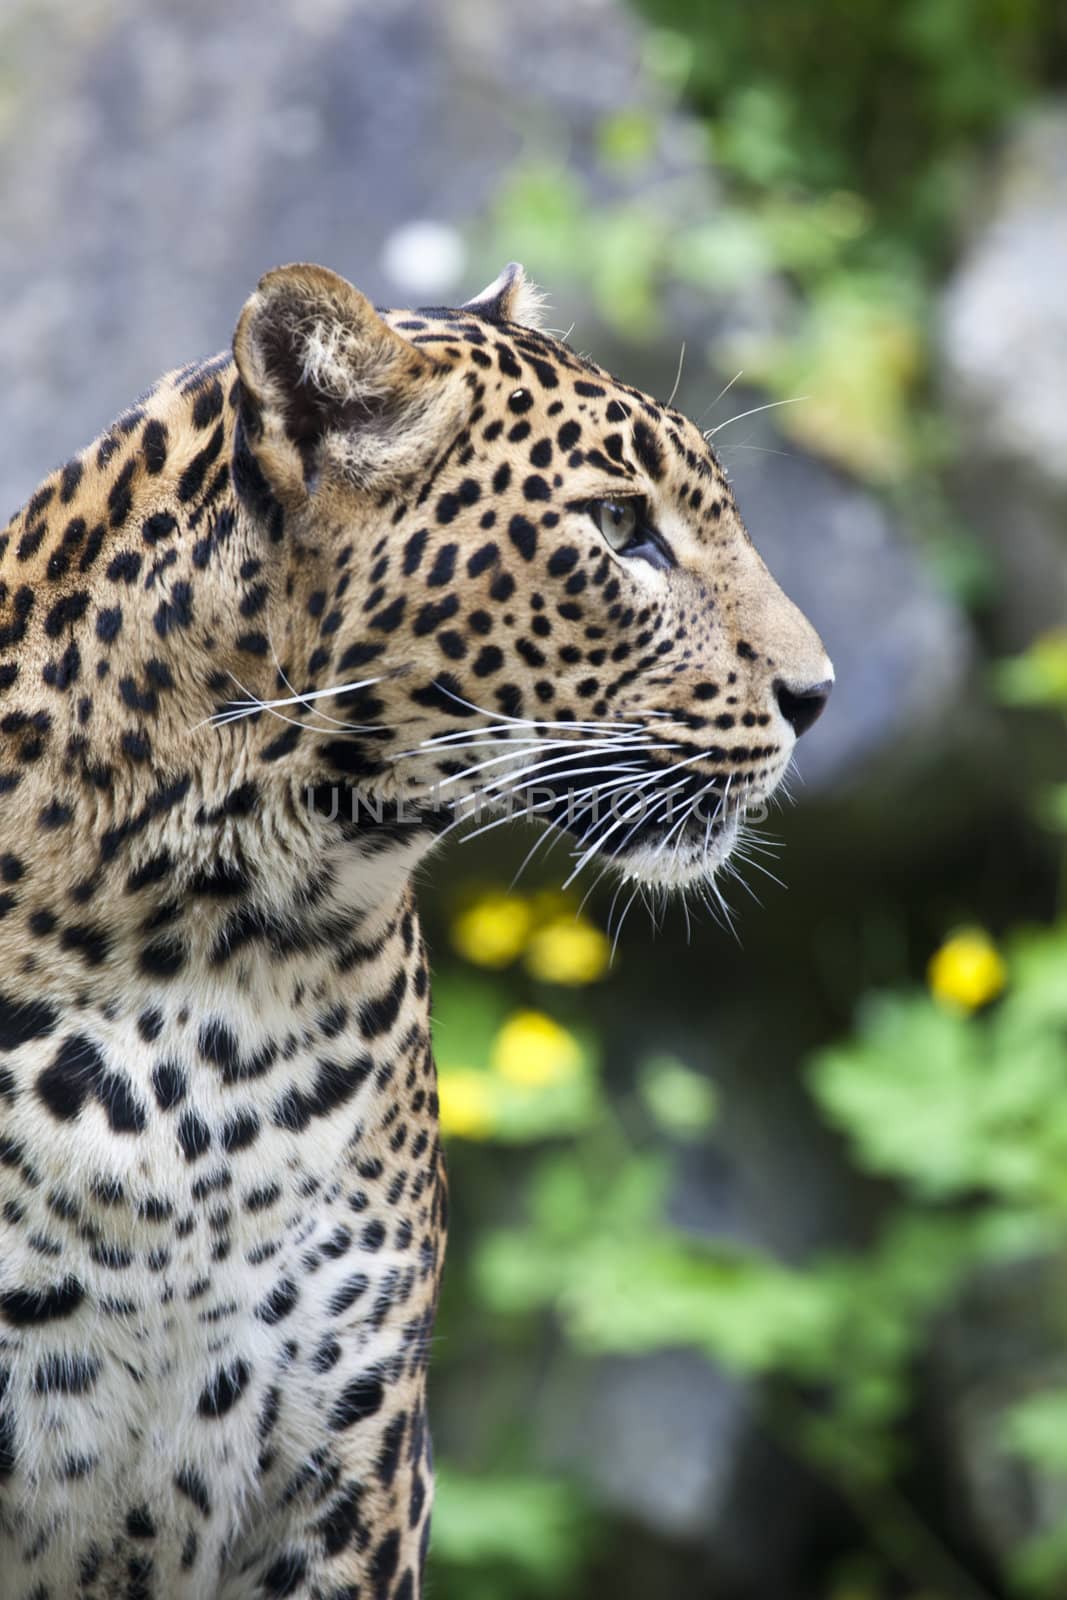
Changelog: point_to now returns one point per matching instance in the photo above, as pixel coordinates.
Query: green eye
(618, 521)
(626, 526)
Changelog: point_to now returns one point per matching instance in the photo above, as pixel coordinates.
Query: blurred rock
(996, 1349)
(1004, 316)
(900, 648)
(675, 1447)
(1003, 334)
(155, 160)
(655, 1435)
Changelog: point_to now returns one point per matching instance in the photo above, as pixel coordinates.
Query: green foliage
(874, 96)
(508, 1535)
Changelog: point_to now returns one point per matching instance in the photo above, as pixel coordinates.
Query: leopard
(262, 644)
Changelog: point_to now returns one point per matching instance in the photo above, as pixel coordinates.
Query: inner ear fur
(326, 381)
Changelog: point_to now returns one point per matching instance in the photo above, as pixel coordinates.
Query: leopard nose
(801, 708)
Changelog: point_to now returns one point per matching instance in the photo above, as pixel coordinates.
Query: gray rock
(900, 647)
(1003, 337)
(158, 158)
(1004, 314)
(994, 1350)
(654, 1435)
(675, 1447)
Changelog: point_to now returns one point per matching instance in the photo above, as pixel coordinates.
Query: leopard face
(544, 596)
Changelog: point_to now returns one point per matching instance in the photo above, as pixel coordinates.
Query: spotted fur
(248, 639)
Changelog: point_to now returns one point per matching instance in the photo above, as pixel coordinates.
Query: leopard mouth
(667, 824)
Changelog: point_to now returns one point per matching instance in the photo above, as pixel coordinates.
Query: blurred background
(757, 1285)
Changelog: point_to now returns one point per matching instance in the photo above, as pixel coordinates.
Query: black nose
(802, 707)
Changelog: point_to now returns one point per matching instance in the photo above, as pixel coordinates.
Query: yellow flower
(568, 950)
(967, 971)
(534, 1052)
(493, 931)
(466, 1107)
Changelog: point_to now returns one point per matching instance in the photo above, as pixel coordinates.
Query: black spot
(377, 1016)
(384, 1564)
(239, 1131)
(208, 405)
(124, 568)
(223, 1391)
(125, 1113)
(70, 479)
(25, 1308)
(150, 1024)
(477, 563)
(140, 1523)
(373, 1236)
(194, 1136)
(31, 541)
(74, 1074)
(120, 497)
(339, 1524)
(647, 450)
(192, 479)
(23, 1020)
(562, 561)
(443, 566)
(361, 1398)
(55, 815)
(285, 1575)
(65, 612)
(413, 552)
(168, 1085)
(154, 447)
(278, 1303)
(188, 1482)
(523, 536)
(136, 745)
(283, 745)
(108, 623)
(223, 879)
(164, 957)
(157, 527)
(391, 616)
(433, 613)
(177, 612)
(152, 871)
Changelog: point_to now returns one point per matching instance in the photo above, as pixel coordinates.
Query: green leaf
(681, 1101)
(538, 1528)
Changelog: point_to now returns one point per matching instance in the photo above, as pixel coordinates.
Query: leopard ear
(509, 298)
(327, 384)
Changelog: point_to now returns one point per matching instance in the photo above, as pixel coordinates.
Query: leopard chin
(693, 856)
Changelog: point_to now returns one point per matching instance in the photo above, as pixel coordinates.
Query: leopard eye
(626, 527)
(618, 521)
